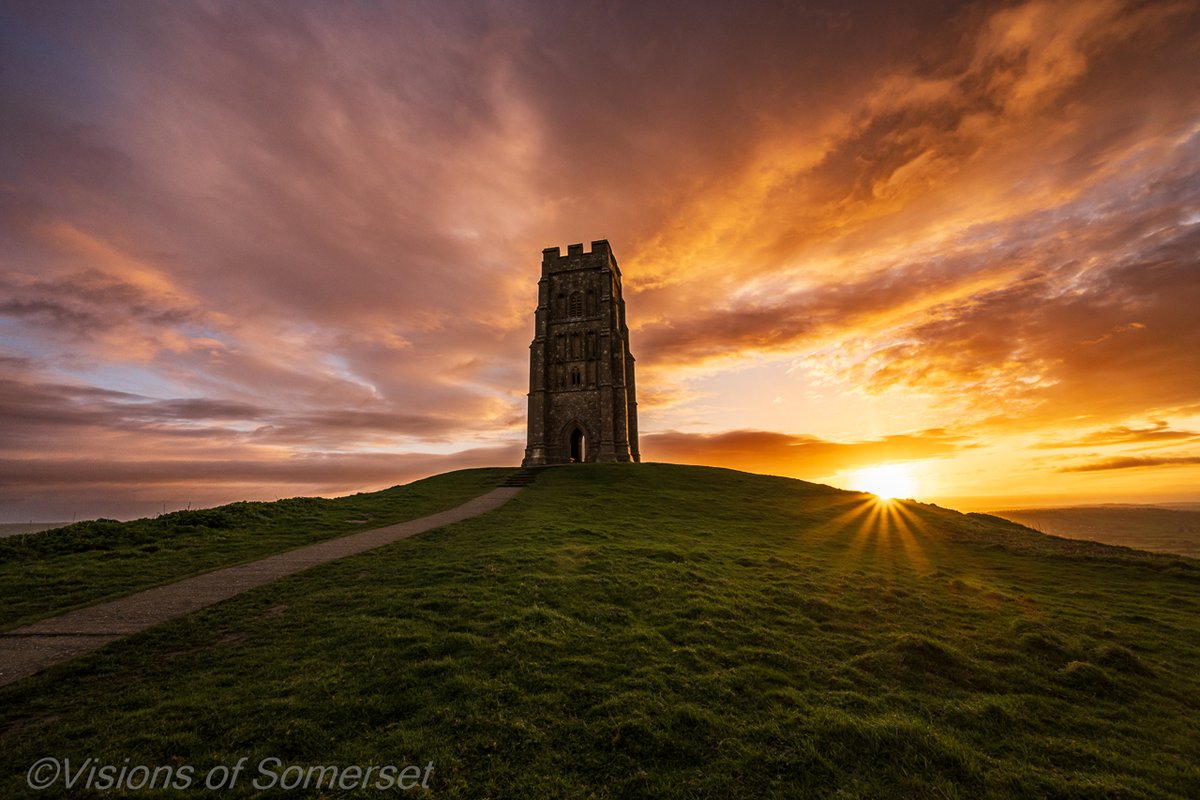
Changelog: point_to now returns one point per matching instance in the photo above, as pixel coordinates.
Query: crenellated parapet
(598, 257)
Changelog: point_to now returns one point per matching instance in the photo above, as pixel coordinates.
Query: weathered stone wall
(580, 367)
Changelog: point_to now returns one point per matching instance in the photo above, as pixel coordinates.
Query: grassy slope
(47, 573)
(708, 634)
(1162, 530)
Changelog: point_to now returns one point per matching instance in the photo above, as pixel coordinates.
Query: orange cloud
(1131, 462)
(240, 233)
(1159, 431)
(797, 456)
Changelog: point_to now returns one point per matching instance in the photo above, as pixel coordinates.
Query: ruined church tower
(582, 405)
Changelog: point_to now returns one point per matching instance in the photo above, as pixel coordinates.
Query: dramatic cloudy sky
(251, 250)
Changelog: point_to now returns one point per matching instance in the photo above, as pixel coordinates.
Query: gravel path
(30, 649)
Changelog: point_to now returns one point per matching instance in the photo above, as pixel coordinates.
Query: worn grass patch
(625, 631)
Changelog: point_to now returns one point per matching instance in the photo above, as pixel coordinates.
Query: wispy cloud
(1134, 462)
(1155, 433)
(275, 234)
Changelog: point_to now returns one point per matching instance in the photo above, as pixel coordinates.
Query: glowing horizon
(261, 251)
(887, 482)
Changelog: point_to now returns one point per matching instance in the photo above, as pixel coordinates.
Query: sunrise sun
(887, 482)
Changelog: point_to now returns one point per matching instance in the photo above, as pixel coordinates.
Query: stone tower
(582, 405)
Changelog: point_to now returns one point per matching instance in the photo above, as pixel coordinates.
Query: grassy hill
(624, 631)
(43, 574)
(1163, 530)
(20, 528)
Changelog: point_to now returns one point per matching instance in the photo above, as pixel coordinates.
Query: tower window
(576, 305)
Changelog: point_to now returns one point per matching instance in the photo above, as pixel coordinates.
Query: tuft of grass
(655, 631)
(1121, 659)
(46, 573)
(1089, 679)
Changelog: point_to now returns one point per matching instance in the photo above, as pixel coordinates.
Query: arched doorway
(578, 446)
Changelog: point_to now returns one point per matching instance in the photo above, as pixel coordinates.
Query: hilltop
(662, 631)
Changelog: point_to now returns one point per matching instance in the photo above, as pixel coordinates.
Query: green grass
(43, 574)
(625, 631)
